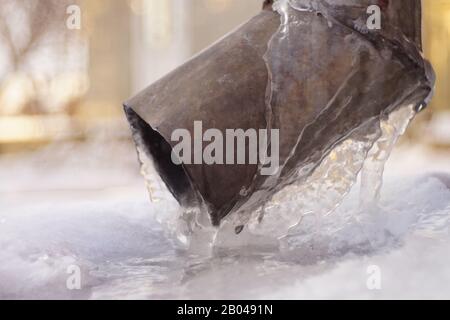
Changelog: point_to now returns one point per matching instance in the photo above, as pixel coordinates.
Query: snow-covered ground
(86, 206)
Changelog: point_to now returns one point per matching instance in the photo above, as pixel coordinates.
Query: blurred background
(59, 84)
(71, 190)
(67, 84)
(61, 88)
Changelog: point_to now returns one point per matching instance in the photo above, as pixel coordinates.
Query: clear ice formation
(340, 94)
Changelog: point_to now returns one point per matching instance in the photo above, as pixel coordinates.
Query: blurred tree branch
(27, 26)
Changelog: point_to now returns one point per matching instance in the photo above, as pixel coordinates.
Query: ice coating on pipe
(314, 71)
(368, 79)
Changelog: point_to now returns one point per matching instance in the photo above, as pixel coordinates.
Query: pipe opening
(159, 151)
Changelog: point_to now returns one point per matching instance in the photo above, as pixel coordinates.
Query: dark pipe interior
(156, 147)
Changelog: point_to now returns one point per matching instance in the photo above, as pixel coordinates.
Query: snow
(86, 205)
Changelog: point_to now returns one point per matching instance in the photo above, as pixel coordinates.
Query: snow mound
(123, 252)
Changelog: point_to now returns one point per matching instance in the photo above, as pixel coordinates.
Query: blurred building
(167, 33)
(433, 126)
